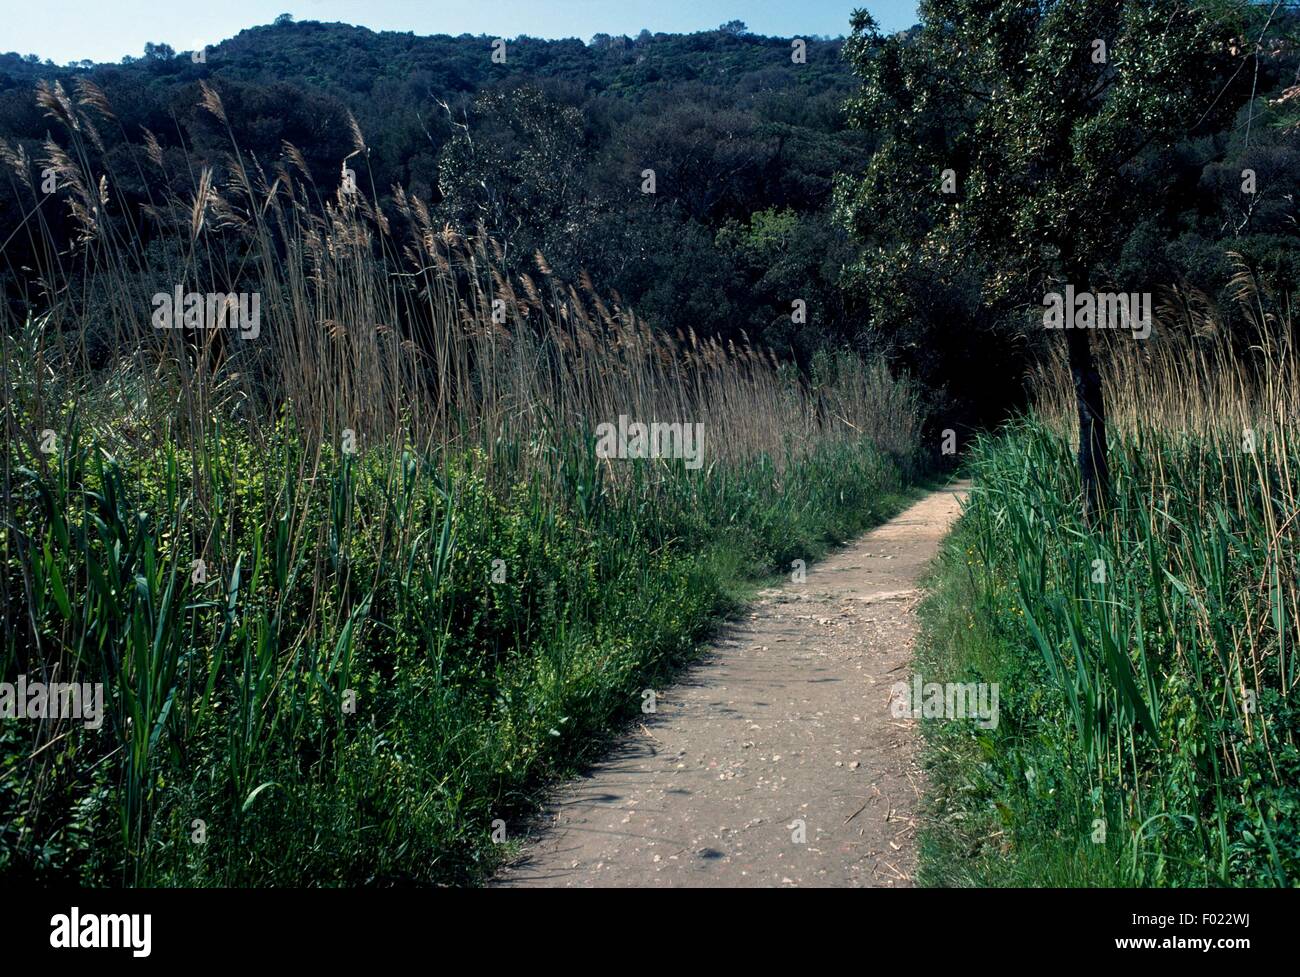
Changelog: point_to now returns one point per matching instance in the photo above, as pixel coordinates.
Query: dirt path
(783, 724)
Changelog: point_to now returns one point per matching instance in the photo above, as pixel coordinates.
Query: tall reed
(1168, 630)
(356, 585)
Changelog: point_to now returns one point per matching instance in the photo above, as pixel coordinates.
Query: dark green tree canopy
(1006, 135)
(1005, 128)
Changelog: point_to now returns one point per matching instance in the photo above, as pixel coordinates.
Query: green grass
(348, 696)
(1124, 693)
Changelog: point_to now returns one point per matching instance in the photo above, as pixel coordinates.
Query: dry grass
(408, 333)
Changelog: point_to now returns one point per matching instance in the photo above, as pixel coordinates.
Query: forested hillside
(547, 149)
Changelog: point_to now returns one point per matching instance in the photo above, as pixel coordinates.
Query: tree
(708, 159)
(516, 168)
(1027, 114)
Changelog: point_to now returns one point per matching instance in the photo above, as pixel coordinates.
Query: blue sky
(105, 30)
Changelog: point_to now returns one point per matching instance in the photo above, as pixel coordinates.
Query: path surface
(784, 722)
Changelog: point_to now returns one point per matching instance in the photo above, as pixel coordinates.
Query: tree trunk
(1094, 468)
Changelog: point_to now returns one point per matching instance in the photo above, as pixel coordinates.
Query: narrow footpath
(775, 760)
